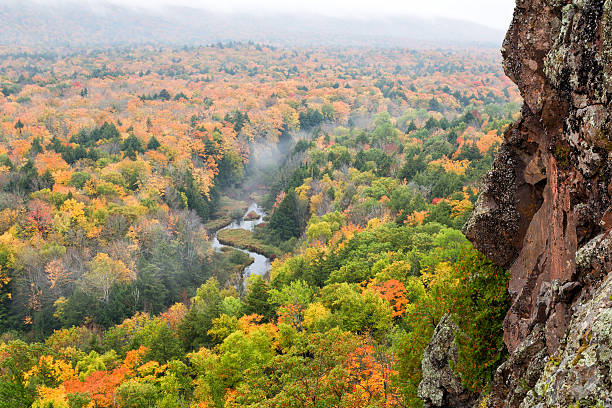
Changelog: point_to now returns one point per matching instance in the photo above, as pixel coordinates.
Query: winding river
(261, 264)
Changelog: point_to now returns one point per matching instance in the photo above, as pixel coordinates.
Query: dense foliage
(117, 166)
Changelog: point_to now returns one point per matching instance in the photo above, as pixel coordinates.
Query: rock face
(581, 370)
(545, 211)
(440, 386)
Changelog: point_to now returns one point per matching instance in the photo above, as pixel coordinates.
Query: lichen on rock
(546, 207)
(582, 370)
(441, 386)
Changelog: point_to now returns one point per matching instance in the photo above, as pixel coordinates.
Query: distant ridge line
(71, 24)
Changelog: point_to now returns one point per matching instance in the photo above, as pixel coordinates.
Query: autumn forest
(127, 173)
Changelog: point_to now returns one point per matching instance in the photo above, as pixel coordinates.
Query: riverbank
(237, 235)
(230, 209)
(229, 265)
(215, 225)
(244, 239)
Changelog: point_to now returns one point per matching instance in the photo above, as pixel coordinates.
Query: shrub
(481, 304)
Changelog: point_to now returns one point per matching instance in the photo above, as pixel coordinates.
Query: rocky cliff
(545, 211)
(441, 386)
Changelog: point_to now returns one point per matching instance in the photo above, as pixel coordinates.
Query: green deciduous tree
(205, 306)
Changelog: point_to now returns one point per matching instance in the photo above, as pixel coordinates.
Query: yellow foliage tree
(103, 273)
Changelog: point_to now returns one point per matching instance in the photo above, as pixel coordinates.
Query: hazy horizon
(83, 23)
(497, 14)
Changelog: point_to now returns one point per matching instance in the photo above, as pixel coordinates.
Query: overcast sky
(493, 13)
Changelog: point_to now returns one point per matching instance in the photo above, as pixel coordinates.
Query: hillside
(118, 166)
(330, 213)
(70, 24)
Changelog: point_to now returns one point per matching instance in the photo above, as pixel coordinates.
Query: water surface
(261, 264)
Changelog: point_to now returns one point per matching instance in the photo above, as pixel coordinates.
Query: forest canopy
(118, 167)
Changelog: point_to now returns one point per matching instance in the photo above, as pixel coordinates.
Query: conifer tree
(285, 219)
(153, 143)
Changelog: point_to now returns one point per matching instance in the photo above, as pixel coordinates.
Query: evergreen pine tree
(19, 125)
(153, 143)
(256, 299)
(131, 146)
(285, 218)
(36, 147)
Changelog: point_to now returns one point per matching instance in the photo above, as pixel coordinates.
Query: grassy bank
(251, 216)
(229, 209)
(244, 239)
(216, 224)
(229, 264)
